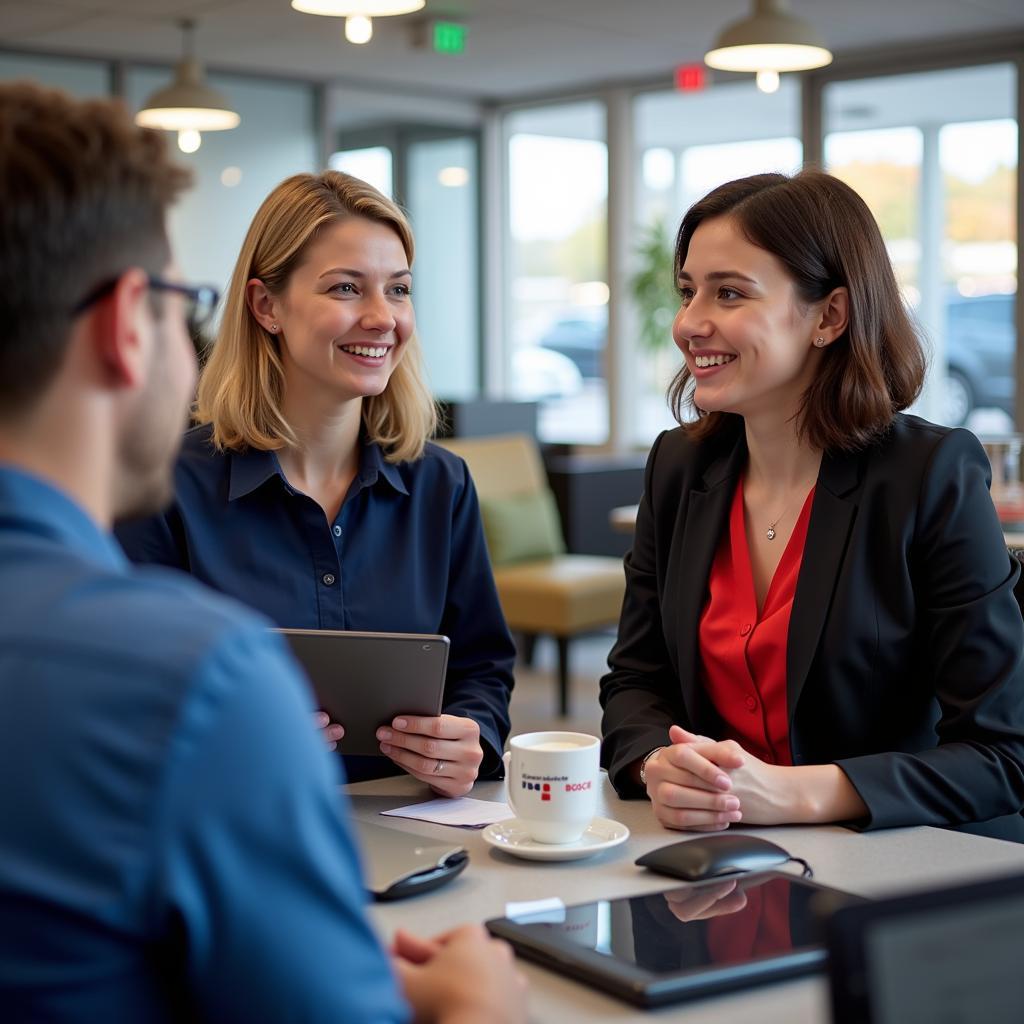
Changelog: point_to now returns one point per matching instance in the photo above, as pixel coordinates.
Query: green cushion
(522, 527)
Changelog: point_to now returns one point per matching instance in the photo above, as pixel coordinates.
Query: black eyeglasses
(200, 300)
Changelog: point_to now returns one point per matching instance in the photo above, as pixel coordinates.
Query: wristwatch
(643, 764)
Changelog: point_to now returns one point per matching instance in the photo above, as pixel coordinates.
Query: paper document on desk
(463, 812)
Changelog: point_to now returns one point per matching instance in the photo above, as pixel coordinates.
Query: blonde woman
(309, 491)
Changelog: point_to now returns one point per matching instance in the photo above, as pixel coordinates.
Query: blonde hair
(242, 383)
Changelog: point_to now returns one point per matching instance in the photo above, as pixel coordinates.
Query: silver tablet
(363, 680)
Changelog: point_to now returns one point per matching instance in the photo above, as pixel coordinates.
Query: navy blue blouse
(405, 554)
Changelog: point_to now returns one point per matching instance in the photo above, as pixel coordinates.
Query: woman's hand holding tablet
(331, 731)
(443, 751)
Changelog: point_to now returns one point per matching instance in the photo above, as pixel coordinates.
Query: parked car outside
(539, 375)
(980, 347)
(979, 350)
(581, 335)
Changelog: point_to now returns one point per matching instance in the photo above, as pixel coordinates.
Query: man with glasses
(172, 842)
(201, 301)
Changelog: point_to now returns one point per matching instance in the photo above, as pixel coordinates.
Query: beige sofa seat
(562, 596)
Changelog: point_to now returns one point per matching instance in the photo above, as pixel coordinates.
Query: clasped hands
(703, 785)
(443, 751)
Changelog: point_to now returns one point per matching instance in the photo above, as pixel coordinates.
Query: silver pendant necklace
(771, 527)
(771, 532)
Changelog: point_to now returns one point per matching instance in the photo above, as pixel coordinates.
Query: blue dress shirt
(405, 554)
(172, 842)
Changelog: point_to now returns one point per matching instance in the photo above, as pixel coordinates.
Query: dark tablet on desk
(644, 949)
(363, 680)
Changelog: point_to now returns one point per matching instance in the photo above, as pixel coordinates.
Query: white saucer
(510, 837)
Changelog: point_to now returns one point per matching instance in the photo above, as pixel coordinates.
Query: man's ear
(835, 315)
(120, 327)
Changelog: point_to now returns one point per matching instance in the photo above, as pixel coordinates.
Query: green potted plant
(653, 289)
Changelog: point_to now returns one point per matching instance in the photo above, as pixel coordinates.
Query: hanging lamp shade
(364, 8)
(187, 103)
(770, 39)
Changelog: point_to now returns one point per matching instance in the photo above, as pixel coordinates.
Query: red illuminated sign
(690, 77)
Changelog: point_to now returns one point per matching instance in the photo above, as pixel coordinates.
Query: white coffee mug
(553, 780)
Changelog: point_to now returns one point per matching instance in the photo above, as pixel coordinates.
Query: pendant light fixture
(769, 41)
(188, 105)
(358, 14)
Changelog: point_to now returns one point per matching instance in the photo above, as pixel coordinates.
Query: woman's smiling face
(746, 337)
(346, 312)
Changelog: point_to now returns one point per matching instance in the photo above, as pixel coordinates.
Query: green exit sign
(449, 37)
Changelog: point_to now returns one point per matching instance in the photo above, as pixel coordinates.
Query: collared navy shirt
(172, 842)
(405, 554)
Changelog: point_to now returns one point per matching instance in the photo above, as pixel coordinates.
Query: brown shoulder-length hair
(242, 383)
(825, 235)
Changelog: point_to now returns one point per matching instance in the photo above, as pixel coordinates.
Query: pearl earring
(819, 342)
(274, 328)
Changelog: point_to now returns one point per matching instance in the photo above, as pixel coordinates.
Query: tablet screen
(683, 942)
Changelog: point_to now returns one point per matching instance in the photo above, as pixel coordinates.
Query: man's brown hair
(83, 193)
(826, 237)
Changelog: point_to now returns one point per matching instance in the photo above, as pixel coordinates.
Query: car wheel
(958, 399)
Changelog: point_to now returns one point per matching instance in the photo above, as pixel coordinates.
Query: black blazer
(905, 659)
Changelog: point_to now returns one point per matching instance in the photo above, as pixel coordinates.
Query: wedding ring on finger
(438, 767)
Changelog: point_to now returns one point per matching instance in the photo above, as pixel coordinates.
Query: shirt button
(751, 703)
(337, 531)
(328, 579)
(745, 629)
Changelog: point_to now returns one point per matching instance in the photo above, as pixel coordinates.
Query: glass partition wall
(84, 79)
(233, 170)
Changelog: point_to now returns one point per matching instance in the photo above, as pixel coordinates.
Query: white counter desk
(872, 864)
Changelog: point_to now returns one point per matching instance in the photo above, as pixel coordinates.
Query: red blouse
(760, 929)
(743, 654)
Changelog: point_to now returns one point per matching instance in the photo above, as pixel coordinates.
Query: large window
(686, 145)
(433, 172)
(558, 282)
(935, 156)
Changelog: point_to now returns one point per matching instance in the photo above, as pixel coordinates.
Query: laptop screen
(949, 955)
(961, 964)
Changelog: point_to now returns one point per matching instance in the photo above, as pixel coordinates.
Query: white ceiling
(515, 48)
